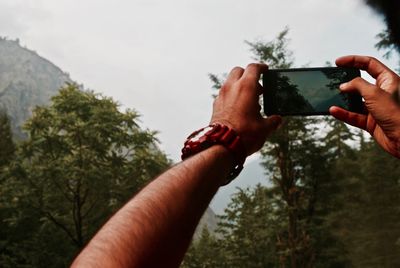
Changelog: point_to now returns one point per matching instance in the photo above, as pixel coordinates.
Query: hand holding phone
(309, 91)
(382, 119)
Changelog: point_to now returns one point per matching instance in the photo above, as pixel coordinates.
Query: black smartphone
(309, 91)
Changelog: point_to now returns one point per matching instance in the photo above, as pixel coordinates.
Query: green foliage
(293, 158)
(248, 228)
(7, 150)
(385, 43)
(216, 81)
(370, 227)
(391, 13)
(206, 252)
(388, 45)
(332, 199)
(83, 159)
(7, 146)
(275, 53)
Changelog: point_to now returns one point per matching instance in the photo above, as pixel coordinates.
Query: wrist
(217, 135)
(224, 160)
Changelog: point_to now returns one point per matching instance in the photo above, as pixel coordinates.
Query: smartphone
(309, 91)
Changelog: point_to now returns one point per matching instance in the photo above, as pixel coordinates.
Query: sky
(155, 55)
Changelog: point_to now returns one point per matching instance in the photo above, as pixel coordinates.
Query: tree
(206, 252)
(7, 150)
(369, 225)
(287, 156)
(386, 44)
(7, 146)
(391, 11)
(249, 226)
(292, 158)
(83, 159)
(332, 199)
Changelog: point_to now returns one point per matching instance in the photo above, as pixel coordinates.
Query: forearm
(154, 229)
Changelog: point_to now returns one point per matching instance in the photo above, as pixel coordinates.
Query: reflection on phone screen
(307, 92)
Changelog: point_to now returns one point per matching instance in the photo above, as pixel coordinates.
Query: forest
(333, 198)
(333, 201)
(82, 161)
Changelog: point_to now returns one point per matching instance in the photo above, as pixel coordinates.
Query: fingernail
(343, 86)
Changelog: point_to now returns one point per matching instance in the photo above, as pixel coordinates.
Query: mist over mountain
(26, 80)
(209, 220)
(253, 173)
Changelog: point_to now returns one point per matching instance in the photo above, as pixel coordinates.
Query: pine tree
(7, 150)
(7, 146)
(206, 252)
(248, 228)
(373, 231)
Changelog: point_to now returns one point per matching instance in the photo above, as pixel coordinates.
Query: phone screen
(308, 91)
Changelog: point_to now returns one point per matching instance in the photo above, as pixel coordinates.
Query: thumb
(271, 123)
(367, 90)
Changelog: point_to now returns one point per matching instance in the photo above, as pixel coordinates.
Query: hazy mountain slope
(26, 80)
(208, 220)
(252, 174)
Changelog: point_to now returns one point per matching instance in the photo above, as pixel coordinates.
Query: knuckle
(224, 88)
(373, 59)
(247, 83)
(235, 73)
(237, 69)
(356, 81)
(253, 66)
(394, 77)
(375, 64)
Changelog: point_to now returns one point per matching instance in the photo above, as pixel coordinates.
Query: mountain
(208, 220)
(26, 80)
(253, 173)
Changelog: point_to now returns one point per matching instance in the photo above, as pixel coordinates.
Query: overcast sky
(154, 55)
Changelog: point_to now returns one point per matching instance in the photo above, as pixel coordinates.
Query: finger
(253, 71)
(271, 123)
(354, 119)
(235, 74)
(367, 90)
(373, 66)
(370, 125)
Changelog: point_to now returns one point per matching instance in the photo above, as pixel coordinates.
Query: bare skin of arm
(155, 227)
(381, 100)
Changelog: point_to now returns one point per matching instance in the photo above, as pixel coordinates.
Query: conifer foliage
(332, 200)
(83, 159)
